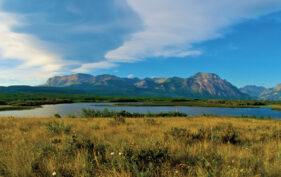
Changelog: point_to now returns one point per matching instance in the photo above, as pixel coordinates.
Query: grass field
(192, 146)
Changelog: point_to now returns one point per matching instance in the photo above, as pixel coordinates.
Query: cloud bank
(31, 59)
(172, 27)
(40, 39)
(94, 66)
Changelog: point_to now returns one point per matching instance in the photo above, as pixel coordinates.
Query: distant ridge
(200, 85)
(263, 93)
(253, 90)
(272, 93)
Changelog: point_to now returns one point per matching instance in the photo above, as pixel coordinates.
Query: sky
(240, 40)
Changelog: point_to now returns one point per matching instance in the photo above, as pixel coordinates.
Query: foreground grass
(198, 146)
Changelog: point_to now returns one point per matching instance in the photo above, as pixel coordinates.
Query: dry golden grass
(198, 146)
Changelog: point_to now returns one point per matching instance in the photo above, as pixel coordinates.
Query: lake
(75, 108)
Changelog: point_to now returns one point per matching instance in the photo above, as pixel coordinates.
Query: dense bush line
(92, 113)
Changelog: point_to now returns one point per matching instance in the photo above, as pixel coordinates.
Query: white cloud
(31, 57)
(93, 66)
(131, 76)
(31, 76)
(171, 27)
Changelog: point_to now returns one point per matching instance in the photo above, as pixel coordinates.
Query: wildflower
(112, 153)
(176, 171)
(120, 153)
(54, 173)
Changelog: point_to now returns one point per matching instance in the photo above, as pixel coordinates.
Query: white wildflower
(112, 153)
(120, 153)
(54, 173)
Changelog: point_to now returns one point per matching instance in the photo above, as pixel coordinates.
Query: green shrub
(151, 122)
(218, 134)
(120, 120)
(56, 128)
(117, 121)
(223, 133)
(71, 116)
(96, 151)
(147, 157)
(179, 132)
(57, 115)
(92, 113)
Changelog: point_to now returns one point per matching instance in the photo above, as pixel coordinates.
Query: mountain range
(262, 93)
(253, 90)
(272, 93)
(201, 85)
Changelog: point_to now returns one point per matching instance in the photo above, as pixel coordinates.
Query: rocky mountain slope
(201, 85)
(271, 94)
(253, 90)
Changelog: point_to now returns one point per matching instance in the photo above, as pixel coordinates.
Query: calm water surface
(75, 108)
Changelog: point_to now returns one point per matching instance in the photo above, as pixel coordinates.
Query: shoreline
(18, 108)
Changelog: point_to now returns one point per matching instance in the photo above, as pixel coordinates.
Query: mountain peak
(82, 75)
(106, 76)
(206, 75)
(272, 93)
(69, 80)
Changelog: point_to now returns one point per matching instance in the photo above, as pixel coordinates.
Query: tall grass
(199, 146)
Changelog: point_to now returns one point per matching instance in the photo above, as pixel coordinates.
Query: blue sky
(238, 40)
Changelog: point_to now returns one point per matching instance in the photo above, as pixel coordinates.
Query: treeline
(233, 102)
(229, 102)
(48, 98)
(238, 102)
(220, 103)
